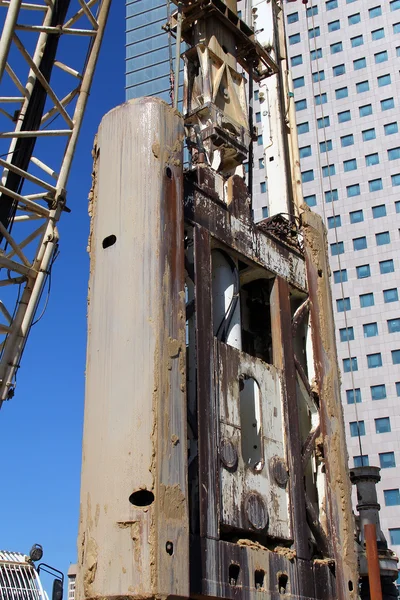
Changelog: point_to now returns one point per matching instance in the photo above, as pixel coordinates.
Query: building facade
(345, 60)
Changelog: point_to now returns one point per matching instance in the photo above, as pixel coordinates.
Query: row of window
(374, 185)
(378, 392)
(382, 425)
(314, 32)
(387, 460)
(369, 330)
(364, 271)
(337, 47)
(374, 361)
(312, 11)
(324, 122)
(360, 243)
(357, 216)
(352, 191)
(349, 164)
(366, 300)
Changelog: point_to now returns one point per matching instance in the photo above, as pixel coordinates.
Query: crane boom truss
(48, 54)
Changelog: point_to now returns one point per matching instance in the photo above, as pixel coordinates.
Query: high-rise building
(345, 60)
(72, 571)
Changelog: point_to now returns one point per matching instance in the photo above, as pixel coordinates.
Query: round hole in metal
(141, 498)
(109, 241)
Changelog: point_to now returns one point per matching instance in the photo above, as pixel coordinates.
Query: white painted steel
(226, 299)
(32, 246)
(19, 579)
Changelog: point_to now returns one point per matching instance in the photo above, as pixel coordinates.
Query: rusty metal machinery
(214, 458)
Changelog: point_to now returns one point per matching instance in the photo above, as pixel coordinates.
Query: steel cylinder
(133, 538)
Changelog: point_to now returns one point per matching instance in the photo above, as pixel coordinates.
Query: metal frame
(32, 186)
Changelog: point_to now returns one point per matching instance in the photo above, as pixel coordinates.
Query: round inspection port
(168, 172)
(169, 548)
(141, 498)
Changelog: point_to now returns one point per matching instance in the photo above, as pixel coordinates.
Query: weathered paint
(339, 509)
(135, 413)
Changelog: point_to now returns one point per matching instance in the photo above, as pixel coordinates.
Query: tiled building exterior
(345, 60)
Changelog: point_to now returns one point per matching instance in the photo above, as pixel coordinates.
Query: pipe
(8, 32)
(374, 573)
(178, 55)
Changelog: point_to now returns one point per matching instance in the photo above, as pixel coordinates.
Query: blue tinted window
(382, 238)
(344, 116)
(384, 80)
(361, 87)
(363, 271)
(350, 365)
(303, 128)
(295, 61)
(307, 176)
(393, 325)
(337, 248)
(397, 206)
(378, 392)
(260, 140)
(360, 63)
(340, 276)
(367, 300)
(334, 25)
(294, 39)
(310, 200)
(375, 185)
(396, 179)
(365, 110)
(331, 4)
(387, 104)
(391, 295)
(256, 95)
(337, 47)
(312, 11)
(382, 425)
(392, 497)
(395, 536)
(370, 330)
(305, 151)
(347, 140)
(379, 211)
(318, 76)
(293, 18)
(356, 216)
(263, 187)
(331, 196)
(325, 146)
(343, 304)
(360, 243)
(353, 19)
(376, 11)
(396, 28)
(368, 134)
(323, 122)
(386, 266)
(258, 117)
(339, 70)
(316, 54)
(386, 461)
(313, 33)
(358, 40)
(372, 159)
(396, 357)
(346, 334)
(357, 428)
(398, 388)
(350, 165)
(381, 57)
(361, 461)
(265, 212)
(394, 153)
(298, 82)
(261, 163)
(394, 5)
(391, 128)
(351, 394)
(328, 170)
(341, 93)
(353, 190)
(374, 360)
(321, 99)
(334, 221)
(378, 34)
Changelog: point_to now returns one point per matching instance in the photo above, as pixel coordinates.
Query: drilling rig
(214, 455)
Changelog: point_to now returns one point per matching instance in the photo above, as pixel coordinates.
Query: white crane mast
(41, 114)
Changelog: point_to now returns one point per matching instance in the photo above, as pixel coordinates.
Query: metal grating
(18, 578)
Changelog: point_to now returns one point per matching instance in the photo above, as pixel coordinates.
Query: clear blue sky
(41, 428)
